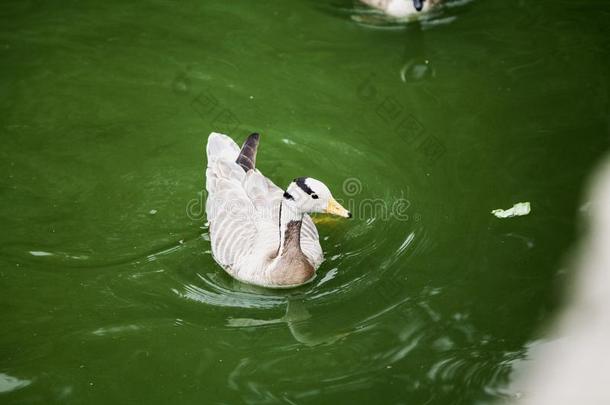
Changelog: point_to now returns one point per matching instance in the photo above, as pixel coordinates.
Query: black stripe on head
(301, 183)
(288, 196)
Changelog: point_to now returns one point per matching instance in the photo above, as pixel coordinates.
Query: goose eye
(314, 196)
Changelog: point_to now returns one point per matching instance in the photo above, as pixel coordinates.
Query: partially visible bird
(402, 8)
(261, 234)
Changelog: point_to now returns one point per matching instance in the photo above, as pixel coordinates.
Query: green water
(108, 290)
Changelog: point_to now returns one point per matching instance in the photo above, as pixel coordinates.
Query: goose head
(402, 8)
(418, 4)
(308, 195)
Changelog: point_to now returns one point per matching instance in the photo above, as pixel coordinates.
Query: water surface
(108, 289)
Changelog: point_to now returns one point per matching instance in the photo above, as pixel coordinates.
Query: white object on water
(9, 383)
(40, 253)
(518, 210)
(570, 366)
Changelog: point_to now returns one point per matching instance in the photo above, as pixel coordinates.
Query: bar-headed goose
(402, 8)
(261, 234)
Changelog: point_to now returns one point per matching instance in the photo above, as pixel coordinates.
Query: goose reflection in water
(295, 319)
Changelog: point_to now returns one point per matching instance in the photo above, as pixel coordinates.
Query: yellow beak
(335, 208)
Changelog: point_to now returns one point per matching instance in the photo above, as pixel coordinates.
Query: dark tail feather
(247, 155)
